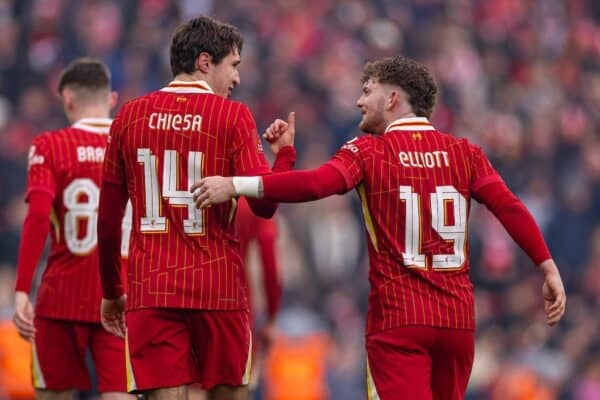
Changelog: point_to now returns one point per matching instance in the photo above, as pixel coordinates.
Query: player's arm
(284, 161)
(41, 189)
(33, 238)
(113, 199)
(111, 209)
(521, 226)
(267, 244)
(266, 237)
(289, 187)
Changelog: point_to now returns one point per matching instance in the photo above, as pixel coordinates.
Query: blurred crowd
(520, 78)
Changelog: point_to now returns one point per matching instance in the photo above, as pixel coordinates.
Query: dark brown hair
(85, 73)
(202, 34)
(411, 76)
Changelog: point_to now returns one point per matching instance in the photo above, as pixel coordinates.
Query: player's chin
(363, 125)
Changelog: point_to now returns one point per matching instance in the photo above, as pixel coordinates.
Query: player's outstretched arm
(289, 187)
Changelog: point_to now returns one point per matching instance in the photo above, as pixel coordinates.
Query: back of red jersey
(68, 164)
(160, 144)
(415, 185)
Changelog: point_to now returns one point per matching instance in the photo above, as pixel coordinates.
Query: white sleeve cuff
(247, 186)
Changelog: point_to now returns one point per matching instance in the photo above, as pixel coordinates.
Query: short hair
(85, 73)
(414, 78)
(199, 35)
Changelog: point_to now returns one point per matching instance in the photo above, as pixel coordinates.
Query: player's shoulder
(53, 136)
(360, 143)
(137, 101)
(462, 145)
(237, 106)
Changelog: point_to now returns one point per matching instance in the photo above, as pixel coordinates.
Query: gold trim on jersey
(36, 371)
(56, 224)
(248, 370)
(232, 210)
(94, 125)
(410, 124)
(187, 87)
(131, 385)
(367, 215)
(371, 389)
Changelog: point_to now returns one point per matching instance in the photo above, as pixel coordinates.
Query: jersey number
(81, 198)
(456, 232)
(153, 221)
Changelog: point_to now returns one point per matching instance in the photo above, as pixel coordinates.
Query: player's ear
(393, 99)
(203, 62)
(67, 96)
(114, 98)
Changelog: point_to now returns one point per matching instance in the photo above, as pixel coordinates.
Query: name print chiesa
(176, 122)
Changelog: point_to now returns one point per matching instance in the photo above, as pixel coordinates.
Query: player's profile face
(225, 75)
(371, 104)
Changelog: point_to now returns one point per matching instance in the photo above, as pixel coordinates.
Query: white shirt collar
(410, 124)
(95, 125)
(177, 86)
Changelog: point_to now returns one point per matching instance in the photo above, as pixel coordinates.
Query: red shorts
(59, 356)
(419, 363)
(174, 347)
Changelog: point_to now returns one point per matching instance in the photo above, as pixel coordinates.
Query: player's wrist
(112, 293)
(548, 267)
(249, 186)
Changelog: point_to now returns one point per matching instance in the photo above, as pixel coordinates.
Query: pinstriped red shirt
(160, 143)
(67, 164)
(415, 185)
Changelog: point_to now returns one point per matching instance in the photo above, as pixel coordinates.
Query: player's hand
(555, 299)
(281, 133)
(23, 317)
(112, 315)
(213, 190)
(266, 336)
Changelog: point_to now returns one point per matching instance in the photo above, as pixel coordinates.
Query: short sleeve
(482, 171)
(349, 162)
(114, 166)
(41, 174)
(248, 155)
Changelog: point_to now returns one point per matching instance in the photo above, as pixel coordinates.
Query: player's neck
(195, 76)
(91, 112)
(396, 116)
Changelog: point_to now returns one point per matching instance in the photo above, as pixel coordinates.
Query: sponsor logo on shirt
(34, 159)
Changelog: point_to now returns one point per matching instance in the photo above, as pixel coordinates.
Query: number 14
(153, 222)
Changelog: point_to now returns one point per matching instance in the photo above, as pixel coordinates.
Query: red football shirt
(415, 185)
(68, 165)
(160, 144)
